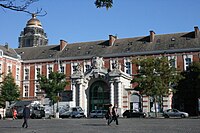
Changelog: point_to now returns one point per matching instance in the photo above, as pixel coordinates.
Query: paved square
(133, 125)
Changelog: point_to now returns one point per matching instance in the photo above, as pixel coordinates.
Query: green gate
(99, 96)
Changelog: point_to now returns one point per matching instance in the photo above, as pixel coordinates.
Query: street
(133, 125)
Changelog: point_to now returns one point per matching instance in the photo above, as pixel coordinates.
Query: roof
(165, 43)
(8, 51)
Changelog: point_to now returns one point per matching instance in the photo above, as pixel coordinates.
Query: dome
(33, 22)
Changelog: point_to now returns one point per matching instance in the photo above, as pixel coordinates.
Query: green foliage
(53, 85)
(155, 76)
(9, 90)
(104, 3)
(188, 89)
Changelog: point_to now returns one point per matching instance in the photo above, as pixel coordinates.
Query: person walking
(26, 115)
(109, 114)
(14, 114)
(115, 114)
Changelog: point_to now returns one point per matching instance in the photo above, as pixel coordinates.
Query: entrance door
(99, 96)
(135, 102)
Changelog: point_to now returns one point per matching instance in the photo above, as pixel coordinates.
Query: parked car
(175, 113)
(134, 113)
(74, 112)
(98, 113)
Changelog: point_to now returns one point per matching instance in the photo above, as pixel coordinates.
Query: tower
(33, 34)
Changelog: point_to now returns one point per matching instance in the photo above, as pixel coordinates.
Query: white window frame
(125, 67)
(112, 62)
(9, 68)
(37, 89)
(49, 66)
(64, 68)
(17, 73)
(184, 60)
(175, 60)
(26, 90)
(36, 72)
(26, 74)
(86, 63)
(73, 65)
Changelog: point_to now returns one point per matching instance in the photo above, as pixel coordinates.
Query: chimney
(63, 43)
(196, 31)
(152, 36)
(112, 40)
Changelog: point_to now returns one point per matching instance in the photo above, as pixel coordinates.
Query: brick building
(99, 72)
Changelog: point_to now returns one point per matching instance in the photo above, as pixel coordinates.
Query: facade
(100, 72)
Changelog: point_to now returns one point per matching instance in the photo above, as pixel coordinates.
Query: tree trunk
(53, 109)
(155, 99)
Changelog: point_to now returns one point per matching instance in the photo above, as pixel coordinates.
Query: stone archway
(99, 95)
(135, 102)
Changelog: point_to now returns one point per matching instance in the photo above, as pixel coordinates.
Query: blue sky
(80, 21)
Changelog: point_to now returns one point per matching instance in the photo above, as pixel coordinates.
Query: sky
(80, 21)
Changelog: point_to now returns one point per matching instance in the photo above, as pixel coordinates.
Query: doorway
(99, 97)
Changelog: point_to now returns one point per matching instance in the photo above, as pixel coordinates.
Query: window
(113, 64)
(37, 89)
(9, 69)
(37, 72)
(128, 67)
(87, 65)
(73, 66)
(187, 61)
(25, 91)
(17, 74)
(49, 69)
(28, 42)
(62, 69)
(172, 61)
(26, 74)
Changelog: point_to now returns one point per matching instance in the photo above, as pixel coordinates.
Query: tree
(104, 3)
(155, 78)
(22, 5)
(9, 90)
(188, 90)
(19, 5)
(53, 85)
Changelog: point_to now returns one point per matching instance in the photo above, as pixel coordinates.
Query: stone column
(74, 95)
(119, 94)
(112, 93)
(80, 93)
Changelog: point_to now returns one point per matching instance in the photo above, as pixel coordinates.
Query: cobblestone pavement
(133, 125)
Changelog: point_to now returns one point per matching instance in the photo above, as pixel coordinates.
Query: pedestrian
(109, 114)
(14, 113)
(115, 114)
(26, 116)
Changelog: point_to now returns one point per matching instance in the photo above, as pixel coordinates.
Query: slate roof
(164, 43)
(38, 53)
(8, 51)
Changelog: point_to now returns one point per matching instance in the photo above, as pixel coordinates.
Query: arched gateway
(99, 95)
(98, 87)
